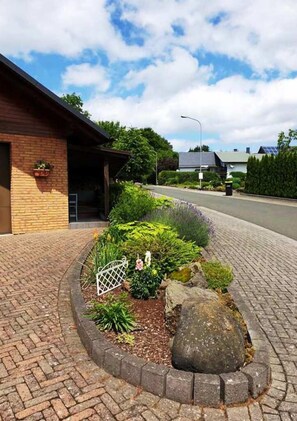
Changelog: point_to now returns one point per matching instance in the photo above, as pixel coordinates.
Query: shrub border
(181, 386)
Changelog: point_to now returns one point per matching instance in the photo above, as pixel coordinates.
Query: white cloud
(170, 75)
(239, 110)
(65, 27)
(86, 75)
(261, 33)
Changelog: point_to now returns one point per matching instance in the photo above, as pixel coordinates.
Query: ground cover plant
(218, 276)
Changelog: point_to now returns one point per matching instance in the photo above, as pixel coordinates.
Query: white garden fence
(111, 276)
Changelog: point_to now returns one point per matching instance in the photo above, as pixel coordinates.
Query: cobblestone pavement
(45, 373)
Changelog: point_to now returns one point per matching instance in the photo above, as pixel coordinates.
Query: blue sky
(232, 64)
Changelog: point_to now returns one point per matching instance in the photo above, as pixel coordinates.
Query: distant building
(235, 161)
(190, 161)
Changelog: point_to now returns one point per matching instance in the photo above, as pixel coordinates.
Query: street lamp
(200, 155)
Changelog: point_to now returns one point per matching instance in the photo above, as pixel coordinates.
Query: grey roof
(236, 157)
(192, 159)
(93, 128)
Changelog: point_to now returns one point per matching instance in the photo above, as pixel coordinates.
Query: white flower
(148, 258)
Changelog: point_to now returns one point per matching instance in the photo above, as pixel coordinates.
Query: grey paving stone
(207, 390)
(99, 346)
(131, 369)
(238, 414)
(235, 387)
(257, 375)
(179, 386)
(214, 414)
(113, 360)
(153, 378)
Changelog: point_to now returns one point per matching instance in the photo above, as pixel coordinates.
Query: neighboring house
(235, 161)
(271, 150)
(35, 124)
(190, 161)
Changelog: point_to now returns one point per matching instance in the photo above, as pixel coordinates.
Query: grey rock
(198, 280)
(176, 293)
(208, 338)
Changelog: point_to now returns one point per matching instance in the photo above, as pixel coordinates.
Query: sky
(231, 64)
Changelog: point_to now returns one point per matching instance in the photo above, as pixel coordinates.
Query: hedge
(179, 177)
(273, 175)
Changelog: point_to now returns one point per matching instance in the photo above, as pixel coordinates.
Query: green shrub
(113, 314)
(133, 203)
(217, 275)
(186, 220)
(144, 283)
(168, 251)
(174, 177)
(132, 230)
(238, 174)
(236, 186)
(116, 190)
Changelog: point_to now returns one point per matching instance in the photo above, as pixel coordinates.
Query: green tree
(284, 141)
(76, 102)
(143, 159)
(205, 148)
(113, 128)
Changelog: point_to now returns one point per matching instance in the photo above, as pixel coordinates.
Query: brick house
(35, 124)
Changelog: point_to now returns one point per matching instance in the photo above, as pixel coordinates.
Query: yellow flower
(96, 235)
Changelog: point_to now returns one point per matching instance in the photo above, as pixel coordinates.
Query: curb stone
(177, 385)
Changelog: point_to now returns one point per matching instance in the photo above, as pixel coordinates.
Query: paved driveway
(45, 373)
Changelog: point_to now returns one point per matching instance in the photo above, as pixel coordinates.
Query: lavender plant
(187, 220)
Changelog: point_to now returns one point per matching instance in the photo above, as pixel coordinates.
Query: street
(279, 216)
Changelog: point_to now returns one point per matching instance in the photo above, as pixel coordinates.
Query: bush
(132, 230)
(132, 205)
(168, 251)
(175, 177)
(144, 283)
(217, 275)
(113, 314)
(116, 190)
(186, 220)
(238, 174)
(273, 175)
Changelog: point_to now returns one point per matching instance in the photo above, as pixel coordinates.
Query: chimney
(248, 150)
(235, 150)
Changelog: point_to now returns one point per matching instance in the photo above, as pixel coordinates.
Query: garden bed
(132, 336)
(151, 338)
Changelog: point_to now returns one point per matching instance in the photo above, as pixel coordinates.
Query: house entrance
(5, 207)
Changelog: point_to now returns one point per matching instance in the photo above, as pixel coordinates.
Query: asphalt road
(280, 216)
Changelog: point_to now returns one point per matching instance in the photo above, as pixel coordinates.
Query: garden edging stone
(178, 385)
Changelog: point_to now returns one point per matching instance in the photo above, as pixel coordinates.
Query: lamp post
(200, 155)
(156, 167)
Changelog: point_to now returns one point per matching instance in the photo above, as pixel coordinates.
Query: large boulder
(176, 293)
(208, 338)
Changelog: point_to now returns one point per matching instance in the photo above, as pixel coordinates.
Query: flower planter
(41, 172)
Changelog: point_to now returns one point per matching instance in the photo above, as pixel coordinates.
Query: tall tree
(76, 102)
(143, 159)
(205, 148)
(284, 141)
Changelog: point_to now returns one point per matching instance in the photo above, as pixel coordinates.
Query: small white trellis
(111, 276)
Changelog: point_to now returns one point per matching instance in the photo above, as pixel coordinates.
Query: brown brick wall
(38, 204)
